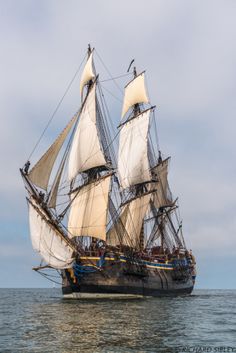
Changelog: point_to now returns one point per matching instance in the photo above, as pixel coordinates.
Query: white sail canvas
(86, 151)
(55, 251)
(135, 92)
(133, 163)
(88, 213)
(40, 173)
(130, 222)
(88, 73)
(162, 195)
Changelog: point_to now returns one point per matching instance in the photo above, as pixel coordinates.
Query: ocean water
(39, 320)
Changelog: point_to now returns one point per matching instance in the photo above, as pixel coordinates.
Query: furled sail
(135, 92)
(47, 241)
(88, 214)
(88, 73)
(40, 173)
(131, 219)
(162, 195)
(133, 163)
(86, 151)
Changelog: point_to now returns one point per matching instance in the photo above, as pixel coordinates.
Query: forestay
(88, 213)
(86, 151)
(47, 241)
(133, 163)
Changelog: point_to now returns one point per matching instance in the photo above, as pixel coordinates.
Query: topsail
(162, 195)
(133, 162)
(86, 151)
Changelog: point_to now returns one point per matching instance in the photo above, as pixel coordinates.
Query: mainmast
(133, 165)
(133, 161)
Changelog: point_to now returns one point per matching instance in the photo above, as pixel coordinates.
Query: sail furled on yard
(135, 92)
(40, 173)
(131, 219)
(162, 195)
(47, 240)
(86, 151)
(88, 213)
(133, 162)
(88, 73)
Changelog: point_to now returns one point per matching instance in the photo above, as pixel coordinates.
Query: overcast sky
(189, 51)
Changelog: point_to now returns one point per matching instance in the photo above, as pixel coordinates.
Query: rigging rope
(115, 78)
(112, 78)
(57, 107)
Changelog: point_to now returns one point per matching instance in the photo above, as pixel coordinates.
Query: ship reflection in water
(40, 321)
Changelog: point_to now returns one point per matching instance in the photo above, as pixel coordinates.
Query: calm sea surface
(39, 320)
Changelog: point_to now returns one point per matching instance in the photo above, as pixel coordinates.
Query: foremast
(90, 162)
(133, 166)
(87, 161)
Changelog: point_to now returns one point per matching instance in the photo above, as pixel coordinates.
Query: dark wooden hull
(120, 279)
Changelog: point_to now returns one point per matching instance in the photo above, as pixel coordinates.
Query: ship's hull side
(118, 279)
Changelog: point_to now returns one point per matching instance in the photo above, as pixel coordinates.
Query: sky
(188, 49)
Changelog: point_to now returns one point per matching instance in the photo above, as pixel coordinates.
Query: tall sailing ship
(105, 218)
